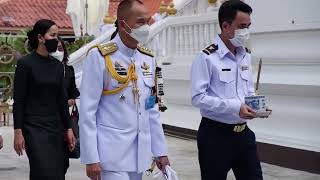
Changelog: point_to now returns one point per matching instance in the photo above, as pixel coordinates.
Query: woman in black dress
(41, 114)
(69, 82)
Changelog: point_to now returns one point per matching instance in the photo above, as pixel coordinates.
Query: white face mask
(58, 55)
(241, 36)
(140, 34)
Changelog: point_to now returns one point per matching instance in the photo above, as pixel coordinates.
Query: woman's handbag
(74, 116)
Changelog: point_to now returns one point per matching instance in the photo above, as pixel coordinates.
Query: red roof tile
(24, 13)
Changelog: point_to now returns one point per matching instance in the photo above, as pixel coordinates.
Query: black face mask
(51, 45)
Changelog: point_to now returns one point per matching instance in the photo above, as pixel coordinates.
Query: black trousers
(221, 149)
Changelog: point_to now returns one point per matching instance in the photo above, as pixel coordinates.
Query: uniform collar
(223, 50)
(123, 48)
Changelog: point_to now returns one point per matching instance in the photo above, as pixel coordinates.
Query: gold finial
(108, 19)
(163, 7)
(211, 2)
(171, 10)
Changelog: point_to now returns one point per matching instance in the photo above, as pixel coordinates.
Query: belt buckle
(239, 128)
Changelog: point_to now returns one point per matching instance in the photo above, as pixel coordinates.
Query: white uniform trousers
(115, 175)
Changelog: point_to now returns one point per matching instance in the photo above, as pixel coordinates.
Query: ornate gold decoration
(105, 49)
(211, 2)
(171, 10)
(7, 54)
(162, 8)
(8, 87)
(109, 20)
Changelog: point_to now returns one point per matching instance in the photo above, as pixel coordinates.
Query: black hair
(65, 51)
(229, 9)
(40, 27)
(122, 11)
(124, 7)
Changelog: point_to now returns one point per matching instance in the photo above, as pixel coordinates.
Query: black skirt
(45, 148)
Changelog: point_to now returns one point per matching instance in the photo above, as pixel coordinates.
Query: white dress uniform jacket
(115, 131)
(220, 81)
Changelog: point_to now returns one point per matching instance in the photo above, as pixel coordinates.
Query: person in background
(69, 82)
(69, 76)
(221, 77)
(40, 109)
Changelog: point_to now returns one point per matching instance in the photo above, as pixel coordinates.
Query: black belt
(230, 127)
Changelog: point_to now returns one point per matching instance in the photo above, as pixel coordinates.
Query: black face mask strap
(116, 31)
(116, 25)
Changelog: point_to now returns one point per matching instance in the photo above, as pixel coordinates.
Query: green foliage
(77, 44)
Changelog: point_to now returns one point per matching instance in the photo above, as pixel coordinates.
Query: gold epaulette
(145, 51)
(210, 49)
(248, 50)
(105, 49)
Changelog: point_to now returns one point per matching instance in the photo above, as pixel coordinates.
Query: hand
(70, 139)
(246, 112)
(71, 102)
(162, 162)
(1, 142)
(269, 113)
(94, 171)
(19, 143)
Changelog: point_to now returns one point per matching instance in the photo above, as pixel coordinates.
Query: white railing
(183, 36)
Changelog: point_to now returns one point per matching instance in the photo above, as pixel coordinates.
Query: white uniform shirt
(220, 81)
(121, 135)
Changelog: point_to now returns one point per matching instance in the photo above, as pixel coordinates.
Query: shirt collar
(223, 50)
(123, 48)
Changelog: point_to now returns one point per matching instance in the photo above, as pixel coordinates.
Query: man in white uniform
(221, 78)
(120, 126)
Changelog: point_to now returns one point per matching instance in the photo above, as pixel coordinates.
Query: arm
(158, 142)
(64, 112)
(63, 102)
(20, 99)
(73, 91)
(91, 90)
(20, 93)
(201, 72)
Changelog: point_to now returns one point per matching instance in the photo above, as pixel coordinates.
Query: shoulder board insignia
(210, 49)
(145, 51)
(105, 49)
(248, 50)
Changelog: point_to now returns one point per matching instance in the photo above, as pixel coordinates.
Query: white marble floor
(183, 155)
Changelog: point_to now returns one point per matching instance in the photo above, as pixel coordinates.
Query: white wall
(279, 14)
